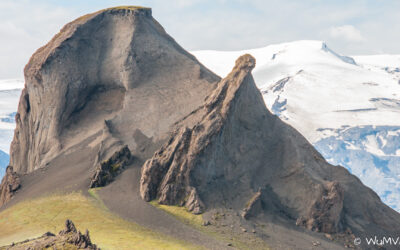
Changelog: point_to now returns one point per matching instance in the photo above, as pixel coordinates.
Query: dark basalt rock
(326, 212)
(68, 238)
(109, 169)
(9, 185)
(167, 176)
(69, 228)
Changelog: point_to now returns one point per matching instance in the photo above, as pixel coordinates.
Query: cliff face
(93, 76)
(9, 185)
(232, 152)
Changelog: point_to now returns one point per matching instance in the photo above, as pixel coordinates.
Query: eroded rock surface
(116, 65)
(325, 214)
(9, 185)
(68, 238)
(232, 148)
(254, 206)
(106, 171)
(168, 175)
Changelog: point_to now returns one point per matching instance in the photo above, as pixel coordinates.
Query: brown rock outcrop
(9, 185)
(72, 236)
(107, 170)
(68, 238)
(168, 175)
(326, 212)
(253, 207)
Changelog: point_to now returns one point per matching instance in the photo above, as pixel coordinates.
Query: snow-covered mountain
(348, 107)
(4, 159)
(10, 90)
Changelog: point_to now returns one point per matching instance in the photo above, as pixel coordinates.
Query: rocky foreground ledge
(68, 238)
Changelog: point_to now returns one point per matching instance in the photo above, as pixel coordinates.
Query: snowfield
(10, 90)
(347, 107)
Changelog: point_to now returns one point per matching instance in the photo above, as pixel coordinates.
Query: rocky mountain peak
(100, 69)
(45, 53)
(169, 175)
(233, 152)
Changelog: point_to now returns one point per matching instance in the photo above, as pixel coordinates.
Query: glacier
(348, 107)
(4, 160)
(10, 91)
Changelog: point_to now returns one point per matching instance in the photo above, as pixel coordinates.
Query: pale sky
(348, 26)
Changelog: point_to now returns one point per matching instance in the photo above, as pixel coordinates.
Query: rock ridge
(166, 176)
(233, 148)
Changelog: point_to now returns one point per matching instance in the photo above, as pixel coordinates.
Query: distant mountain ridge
(10, 91)
(4, 160)
(348, 107)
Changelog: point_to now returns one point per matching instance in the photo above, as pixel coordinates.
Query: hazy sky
(348, 26)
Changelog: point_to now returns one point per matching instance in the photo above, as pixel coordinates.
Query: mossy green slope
(238, 241)
(30, 219)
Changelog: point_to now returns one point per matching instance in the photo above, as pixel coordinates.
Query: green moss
(127, 7)
(58, 245)
(181, 213)
(96, 198)
(30, 219)
(115, 167)
(220, 234)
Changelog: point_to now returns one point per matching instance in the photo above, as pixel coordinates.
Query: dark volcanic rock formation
(232, 148)
(72, 236)
(117, 65)
(107, 170)
(68, 238)
(325, 214)
(168, 175)
(9, 185)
